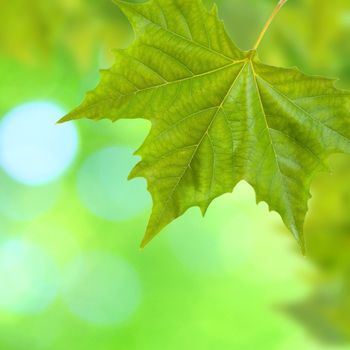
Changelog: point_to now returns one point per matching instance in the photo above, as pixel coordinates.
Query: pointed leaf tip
(66, 118)
(145, 241)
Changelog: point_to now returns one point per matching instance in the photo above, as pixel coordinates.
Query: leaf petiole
(268, 23)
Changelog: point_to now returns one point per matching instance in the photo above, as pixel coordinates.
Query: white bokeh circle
(101, 289)
(34, 150)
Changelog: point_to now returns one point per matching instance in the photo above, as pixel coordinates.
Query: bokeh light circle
(34, 150)
(101, 289)
(104, 188)
(28, 278)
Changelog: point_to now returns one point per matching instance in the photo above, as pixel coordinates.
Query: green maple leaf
(218, 115)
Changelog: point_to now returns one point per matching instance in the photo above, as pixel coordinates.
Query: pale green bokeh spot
(101, 289)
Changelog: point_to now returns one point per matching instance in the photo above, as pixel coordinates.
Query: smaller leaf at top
(218, 115)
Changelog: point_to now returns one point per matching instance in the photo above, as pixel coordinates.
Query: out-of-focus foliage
(34, 31)
(327, 310)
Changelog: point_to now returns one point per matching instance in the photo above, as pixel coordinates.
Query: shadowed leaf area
(218, 115)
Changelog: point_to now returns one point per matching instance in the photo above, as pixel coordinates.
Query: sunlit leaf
(218, 115)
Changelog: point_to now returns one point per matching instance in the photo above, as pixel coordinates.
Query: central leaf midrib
(188, 166)
(116, 99)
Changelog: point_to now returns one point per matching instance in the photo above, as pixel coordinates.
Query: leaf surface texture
(218, 115)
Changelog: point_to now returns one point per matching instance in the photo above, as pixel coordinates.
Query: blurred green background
(71, 273)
